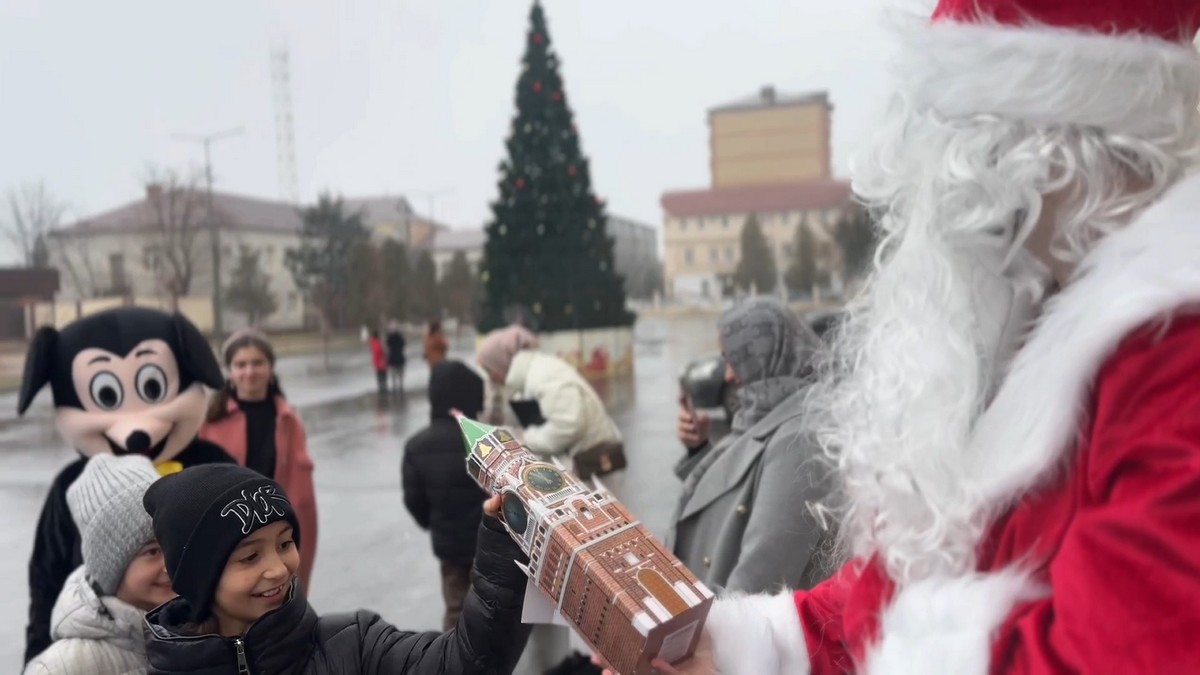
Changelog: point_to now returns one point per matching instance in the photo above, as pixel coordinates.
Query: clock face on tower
(544, 478)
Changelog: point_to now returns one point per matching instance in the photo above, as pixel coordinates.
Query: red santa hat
(1126, 66)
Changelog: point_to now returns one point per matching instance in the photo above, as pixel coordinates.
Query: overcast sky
(407, 97)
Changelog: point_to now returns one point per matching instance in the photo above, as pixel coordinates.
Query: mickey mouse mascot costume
(129, 380)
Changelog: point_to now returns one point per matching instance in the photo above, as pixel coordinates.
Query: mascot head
(129, 380)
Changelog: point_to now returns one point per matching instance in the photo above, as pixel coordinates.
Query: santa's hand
(701, 662)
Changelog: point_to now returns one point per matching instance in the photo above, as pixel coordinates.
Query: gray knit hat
(106, 503)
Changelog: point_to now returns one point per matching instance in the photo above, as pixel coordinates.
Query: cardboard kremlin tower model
(614, 583)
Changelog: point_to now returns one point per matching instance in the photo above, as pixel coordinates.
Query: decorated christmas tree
(547, 251)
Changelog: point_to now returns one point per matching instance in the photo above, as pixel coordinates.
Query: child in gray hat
(97, 620)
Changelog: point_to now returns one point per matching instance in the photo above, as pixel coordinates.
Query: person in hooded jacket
(97, 621)
(438, 493)
(229, 537)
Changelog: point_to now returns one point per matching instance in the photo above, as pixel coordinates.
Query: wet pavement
(370, 552)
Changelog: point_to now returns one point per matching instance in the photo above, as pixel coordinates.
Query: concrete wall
(101, 261)
(597, 352)
(61, 313)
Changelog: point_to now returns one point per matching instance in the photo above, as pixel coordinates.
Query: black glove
(495, 553)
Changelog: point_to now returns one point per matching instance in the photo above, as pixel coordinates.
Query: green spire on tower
(472, 431)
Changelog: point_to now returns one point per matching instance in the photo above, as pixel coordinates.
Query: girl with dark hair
(252, 420)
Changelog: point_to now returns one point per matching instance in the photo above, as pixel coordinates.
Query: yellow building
(770, 139)
(770, 156)
(702, 230)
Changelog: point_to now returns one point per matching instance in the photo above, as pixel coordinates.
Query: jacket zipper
(243, 667)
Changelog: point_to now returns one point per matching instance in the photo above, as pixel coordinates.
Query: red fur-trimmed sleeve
(1125, 583)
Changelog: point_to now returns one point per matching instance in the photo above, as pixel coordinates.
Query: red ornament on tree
(537, 87)
(571, 170)
(537, 38)
(558, 96)
(520, 183)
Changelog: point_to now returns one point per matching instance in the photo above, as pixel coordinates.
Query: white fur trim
(1133, 84)
(758, 635)
(941, 625)
(1144, 272)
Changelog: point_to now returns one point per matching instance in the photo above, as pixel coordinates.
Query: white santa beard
(928, 345)
(917, 358)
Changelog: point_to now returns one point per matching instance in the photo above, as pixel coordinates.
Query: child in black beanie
(229, 539)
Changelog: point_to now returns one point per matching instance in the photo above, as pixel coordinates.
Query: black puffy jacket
(56, 544)
(438, 493)
(293, 640)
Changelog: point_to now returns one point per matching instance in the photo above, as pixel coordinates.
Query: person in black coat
(229, 536)
(395, 355)
(129, 380)
(438, 493)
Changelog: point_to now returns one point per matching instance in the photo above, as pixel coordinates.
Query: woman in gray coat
(745, 521)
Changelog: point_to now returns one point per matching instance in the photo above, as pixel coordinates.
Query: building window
(688, 256)
(714, 255)
(725, 222)
(699, 223)
(116, 271)
(683, 224)
(728, 254)
(150, 258)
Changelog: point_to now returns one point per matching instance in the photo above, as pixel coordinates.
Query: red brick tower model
(621, 590)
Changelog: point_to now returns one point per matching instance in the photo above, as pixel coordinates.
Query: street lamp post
(213, 234)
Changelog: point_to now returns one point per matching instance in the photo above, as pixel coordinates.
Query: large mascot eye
(151, 384)
(106, 390)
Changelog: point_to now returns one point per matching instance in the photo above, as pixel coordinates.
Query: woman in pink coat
(253, 422)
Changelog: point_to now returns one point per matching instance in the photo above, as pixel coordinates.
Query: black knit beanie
(201, 514)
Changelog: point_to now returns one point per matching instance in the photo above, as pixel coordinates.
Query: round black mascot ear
(39, 366)
(195, 357)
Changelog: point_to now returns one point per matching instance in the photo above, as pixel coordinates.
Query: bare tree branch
(32, 212)
(177, 206)
(70, 255)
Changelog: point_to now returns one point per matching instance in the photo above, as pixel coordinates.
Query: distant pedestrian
(435, 344)
(252, 420)
(378, 360)
(395, 355)
(438, 493)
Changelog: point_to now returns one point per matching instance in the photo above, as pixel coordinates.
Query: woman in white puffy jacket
(98, 618)
(575, 418)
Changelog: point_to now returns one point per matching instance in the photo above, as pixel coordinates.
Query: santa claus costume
(1014, 407)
